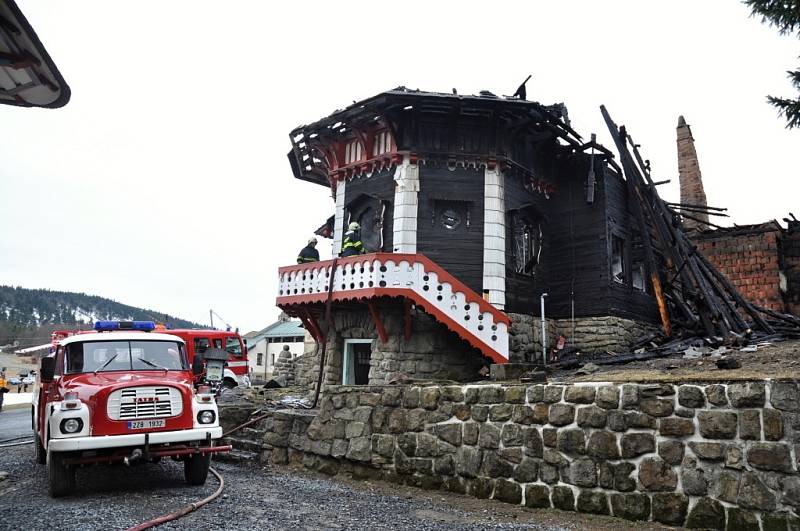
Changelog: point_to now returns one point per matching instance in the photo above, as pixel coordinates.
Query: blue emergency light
(108, 326)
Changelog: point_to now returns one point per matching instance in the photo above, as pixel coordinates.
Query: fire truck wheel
(62, 477)
(195, 469)
(229, 383)
(41, 455)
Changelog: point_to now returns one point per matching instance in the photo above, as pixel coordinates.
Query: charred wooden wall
(374, 191)
(624, 299)
(458, 250)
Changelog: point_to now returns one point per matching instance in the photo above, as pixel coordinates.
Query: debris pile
(702, 313)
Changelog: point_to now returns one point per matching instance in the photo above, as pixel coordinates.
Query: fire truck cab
(121, 394)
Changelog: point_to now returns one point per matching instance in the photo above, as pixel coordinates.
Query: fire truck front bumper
(100, 442)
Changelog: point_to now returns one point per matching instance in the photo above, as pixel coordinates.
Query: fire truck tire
(229, 383)
(62, 477)
(41, 454)
(195, 469)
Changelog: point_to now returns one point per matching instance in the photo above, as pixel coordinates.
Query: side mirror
(48, 369)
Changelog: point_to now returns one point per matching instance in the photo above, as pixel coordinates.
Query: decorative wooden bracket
(378, 323)
(310, 322)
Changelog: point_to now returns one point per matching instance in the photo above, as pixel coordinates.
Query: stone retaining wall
(703, 456)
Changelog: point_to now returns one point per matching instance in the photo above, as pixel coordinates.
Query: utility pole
(211, 316)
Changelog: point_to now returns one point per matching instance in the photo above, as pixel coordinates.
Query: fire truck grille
(144, 403)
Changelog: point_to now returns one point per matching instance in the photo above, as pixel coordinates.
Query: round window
(450, 219)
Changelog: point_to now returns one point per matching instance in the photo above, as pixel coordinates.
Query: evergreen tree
(785, 16)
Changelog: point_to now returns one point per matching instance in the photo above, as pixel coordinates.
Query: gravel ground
(273, 498)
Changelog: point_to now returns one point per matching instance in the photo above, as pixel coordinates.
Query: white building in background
(263, 347)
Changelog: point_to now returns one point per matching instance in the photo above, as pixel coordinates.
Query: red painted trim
(288, 304)
(316, 332)
(377, 320)
(430, 266)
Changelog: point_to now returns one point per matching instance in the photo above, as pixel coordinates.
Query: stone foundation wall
(432, 352)
(591, 335)
(703, 456)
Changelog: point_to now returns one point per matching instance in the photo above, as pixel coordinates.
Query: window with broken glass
(525, 242)
(618, 259)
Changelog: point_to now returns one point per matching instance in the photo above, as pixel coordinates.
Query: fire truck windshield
(103, 356)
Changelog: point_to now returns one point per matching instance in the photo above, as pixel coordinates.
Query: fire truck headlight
(206, 417)
(71, 425)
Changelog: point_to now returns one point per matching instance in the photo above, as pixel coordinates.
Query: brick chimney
(692, 192)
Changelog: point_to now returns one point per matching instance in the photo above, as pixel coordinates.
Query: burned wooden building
(477, 212)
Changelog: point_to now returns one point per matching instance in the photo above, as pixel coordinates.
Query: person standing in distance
(309, 253)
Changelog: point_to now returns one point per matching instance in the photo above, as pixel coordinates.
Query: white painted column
(338, 220)
(406, 201)
(494, 237)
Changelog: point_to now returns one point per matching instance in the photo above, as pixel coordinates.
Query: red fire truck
(236, 371)
(121, 394)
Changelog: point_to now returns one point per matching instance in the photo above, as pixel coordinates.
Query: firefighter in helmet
(352, 244)
(309, 253)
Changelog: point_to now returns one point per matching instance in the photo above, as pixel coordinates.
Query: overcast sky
(164, 182)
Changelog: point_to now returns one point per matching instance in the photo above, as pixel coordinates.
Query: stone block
(548, 473)
(427, 445)
(510, 371)
(444, 466)
(513, 455)
(549, 437)
(450, 432)
(360, 449)
(563, 498)
(726, 487)
(706, 514)
(511, 435)
(708, 451)
(480, 412)
(636, 444)
(571, 441)
(396, 421)
(515, 394)
(471, 395)
(675, 427)
(527, 471)
(630, 395)
(740, 520)
(580, 394)
(754, 494)
(633, 506)
(602, 445)
(691, 396)
(496, 467)
(369, 399)
(429, 398)
(592, 502)
(561, 414)
(670, 508)
(616, 420)
(657, 407)
(508, 491)
(623, 481)
(717, 424)
(489, 436)
(355, 429)
(785, 396)
(750, 394)
(535, 394)
(453, 393)
(407, 443)
(468, 461)
(653, 390)
(470, 433)
(607, 397)
(490, 395)
(791, 492)
(773, 424)
(522, 414)
(734, 458)
(671, 452)
(411, 397)
(537, 496)
(415, 419)
(770, 456)
(541, 413)
(583, 472)
(606, 475)
(750, 424)
(340, 446)
(500, 412)
(381, 444)
(657, 476)
(684, 412)
(716, 395)
(532, 442)
(481, 488)
(637, 419)
(591, 417)
(694, 481)
(553, 393)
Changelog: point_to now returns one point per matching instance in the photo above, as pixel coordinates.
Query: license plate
(145, 424)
